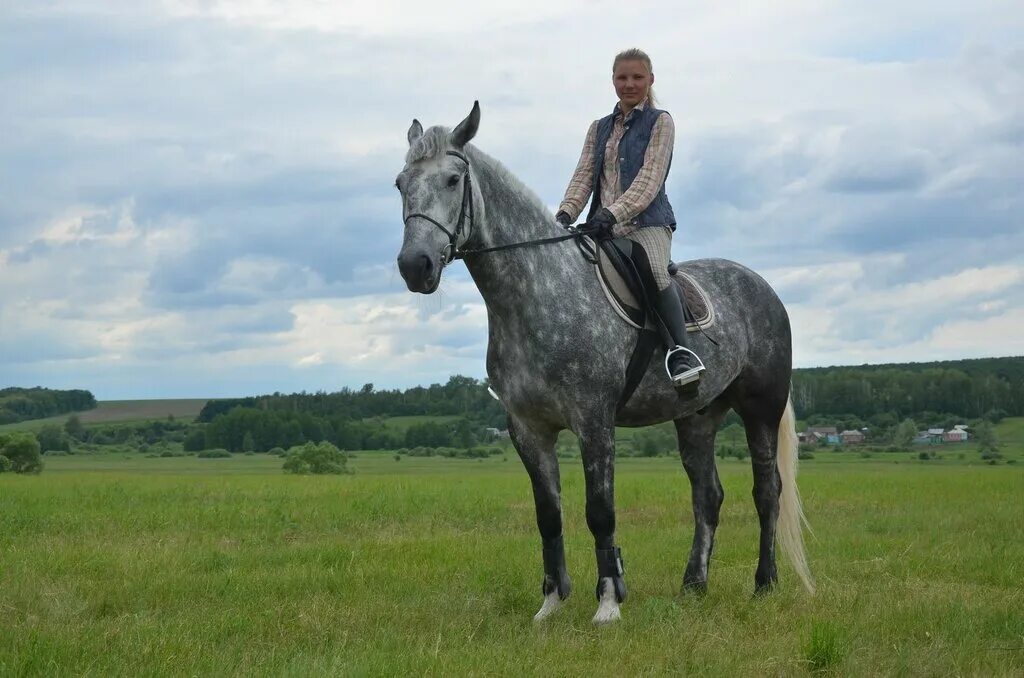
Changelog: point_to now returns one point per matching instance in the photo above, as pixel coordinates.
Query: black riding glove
(563, 218)
(602, 222)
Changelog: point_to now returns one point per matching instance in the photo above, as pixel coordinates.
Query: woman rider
(624, 164)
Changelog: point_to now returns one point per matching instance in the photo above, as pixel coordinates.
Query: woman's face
(632, 81)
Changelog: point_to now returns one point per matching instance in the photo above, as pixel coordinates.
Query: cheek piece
(451, 250)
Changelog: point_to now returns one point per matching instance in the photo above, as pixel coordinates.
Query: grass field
(126, 565)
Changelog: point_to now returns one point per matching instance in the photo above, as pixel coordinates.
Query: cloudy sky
(196, 195)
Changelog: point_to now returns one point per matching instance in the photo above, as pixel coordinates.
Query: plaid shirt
(645, 186)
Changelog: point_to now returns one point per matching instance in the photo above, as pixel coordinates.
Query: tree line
(987, 388)
(247, 429)
(22, 404)
(460, 396)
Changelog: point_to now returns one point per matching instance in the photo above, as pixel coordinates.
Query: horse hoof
(608, 615)
(764, 589)
(695, 587)
(551, 604)
(608, 609)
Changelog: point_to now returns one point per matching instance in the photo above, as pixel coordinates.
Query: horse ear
(467, 128)
(415, 131)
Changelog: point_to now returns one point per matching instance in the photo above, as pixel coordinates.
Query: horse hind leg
(772, 440)
(696, 436)
(761, 421)
(536, 448)
(762, 439)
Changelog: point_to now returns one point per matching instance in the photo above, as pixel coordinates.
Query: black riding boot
(683, 365)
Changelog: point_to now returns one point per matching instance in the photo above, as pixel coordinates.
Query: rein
(451, 251)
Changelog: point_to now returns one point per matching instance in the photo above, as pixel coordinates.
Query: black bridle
(451, 251)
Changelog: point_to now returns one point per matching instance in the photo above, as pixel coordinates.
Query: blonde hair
(636, 54)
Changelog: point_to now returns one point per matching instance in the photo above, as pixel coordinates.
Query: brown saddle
(625, 292)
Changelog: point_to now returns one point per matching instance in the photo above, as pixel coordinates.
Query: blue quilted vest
(632, 147)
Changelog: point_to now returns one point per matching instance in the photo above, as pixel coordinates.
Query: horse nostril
(428, 265)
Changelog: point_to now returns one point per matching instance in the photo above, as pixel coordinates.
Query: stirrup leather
(690, 375)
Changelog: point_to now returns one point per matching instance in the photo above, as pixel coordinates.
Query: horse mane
(436, 141)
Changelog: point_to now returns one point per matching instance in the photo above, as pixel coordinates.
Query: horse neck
(521, 281)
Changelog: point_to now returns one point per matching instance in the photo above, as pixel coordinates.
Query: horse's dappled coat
(557, 356)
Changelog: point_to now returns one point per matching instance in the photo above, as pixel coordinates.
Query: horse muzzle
(420, 271)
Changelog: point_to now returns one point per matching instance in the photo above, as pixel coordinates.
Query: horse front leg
(597, 445)
(536, 447)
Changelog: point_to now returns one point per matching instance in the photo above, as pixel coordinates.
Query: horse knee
(600, 515)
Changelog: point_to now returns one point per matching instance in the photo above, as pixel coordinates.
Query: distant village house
(817, 434)
(851, 437)
(934, 436)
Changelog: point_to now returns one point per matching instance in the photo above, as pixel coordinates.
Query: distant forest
(987, 388)
(879, 395)
(21, 404)
(873, 396)
(967, 388)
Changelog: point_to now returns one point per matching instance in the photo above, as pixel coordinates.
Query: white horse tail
(789, 529)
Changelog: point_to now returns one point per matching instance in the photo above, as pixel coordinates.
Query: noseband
(451, 251)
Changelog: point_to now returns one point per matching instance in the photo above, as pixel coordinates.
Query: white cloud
(383, 17)
(218, 199)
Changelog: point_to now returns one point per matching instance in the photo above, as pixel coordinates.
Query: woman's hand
(563, 219)
(602, 222)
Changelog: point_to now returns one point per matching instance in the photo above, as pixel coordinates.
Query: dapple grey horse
(557, 357)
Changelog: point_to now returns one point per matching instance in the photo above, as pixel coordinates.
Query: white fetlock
(608, 608)
(551, 605)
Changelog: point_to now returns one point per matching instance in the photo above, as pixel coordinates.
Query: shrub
(803, 454)
(22, 449)
(924, 455)
(195, 441)
(277, 451)
(52, 437)
(316, 458)
(215, 453)
(5, 464)
(398, 457)
(991, 455)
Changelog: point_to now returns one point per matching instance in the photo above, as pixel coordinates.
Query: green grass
(1010, 431)
(121, 412)
(126, 565)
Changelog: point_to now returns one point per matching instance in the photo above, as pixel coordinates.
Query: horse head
(438, 194)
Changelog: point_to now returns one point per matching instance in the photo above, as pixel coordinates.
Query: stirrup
(690, 375)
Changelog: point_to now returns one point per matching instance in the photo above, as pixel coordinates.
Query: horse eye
(453, 180)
